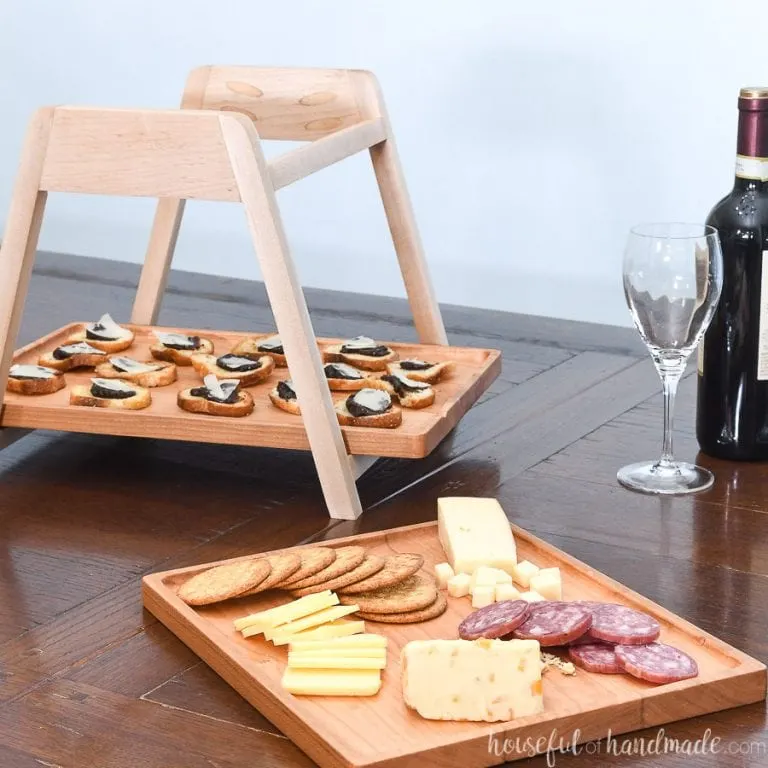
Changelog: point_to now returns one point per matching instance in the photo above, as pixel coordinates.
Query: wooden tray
(418, 435)
(381, 731)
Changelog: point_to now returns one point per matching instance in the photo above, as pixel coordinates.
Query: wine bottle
(732, 405)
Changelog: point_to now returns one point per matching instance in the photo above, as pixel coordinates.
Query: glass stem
(669, 381)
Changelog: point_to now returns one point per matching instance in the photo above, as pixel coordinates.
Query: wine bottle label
(762, 351)
(752, 167)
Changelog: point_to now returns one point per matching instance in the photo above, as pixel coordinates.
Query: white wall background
(533, 134)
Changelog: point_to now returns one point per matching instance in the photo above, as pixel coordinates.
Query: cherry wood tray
(381, 731)
(416, 437)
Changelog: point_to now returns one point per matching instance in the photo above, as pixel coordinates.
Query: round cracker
(347, 558)
(438, 608)
(397, 568)
(370, 565)
(223, 582)
(283, 566)
(313, 559)
(413, 594)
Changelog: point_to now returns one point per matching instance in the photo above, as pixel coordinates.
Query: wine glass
(673, 275)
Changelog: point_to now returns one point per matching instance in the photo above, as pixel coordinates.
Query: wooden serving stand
(211, 150)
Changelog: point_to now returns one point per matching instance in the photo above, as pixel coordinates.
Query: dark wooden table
(90, 679)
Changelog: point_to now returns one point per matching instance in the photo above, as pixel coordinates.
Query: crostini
(229, 366)
(362, 352)
(179, 347)
(34, 380)
(369, 408)
(216, 397)
(150, 374)
(111, 393)
(105, 334)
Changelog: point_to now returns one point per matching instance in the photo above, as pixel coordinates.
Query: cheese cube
(523, 571)
(282, 614)
(443, 572)
(506, 592)
(548, 584)
(483, 595)
(502, 577)
(353, 641)
(340, 628)
(332, 682)
(531, 597)
(483, 577)
(458, 585)
(483, 680)
(475, 532)
(313, 620)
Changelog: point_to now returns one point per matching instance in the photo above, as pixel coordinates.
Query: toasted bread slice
(84, 359)
(82, 394)
(388, 419)
(206, 364)
(162, 374)
(333, 354)
(286, 404)
(216, 397)
(342, 384)
(408, 392)
(430, 375)
(34, 380)
(249, 347)
(104, 334)
(180, 356)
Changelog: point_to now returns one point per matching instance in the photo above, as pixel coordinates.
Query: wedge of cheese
(307, 622)
(282, 614)
(475, 532)
(340, 628)
(483, 680)
(338, 643)
(332, 682)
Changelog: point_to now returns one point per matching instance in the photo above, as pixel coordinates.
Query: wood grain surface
(84, 517)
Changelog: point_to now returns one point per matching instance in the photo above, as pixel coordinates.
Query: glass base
(670, 479)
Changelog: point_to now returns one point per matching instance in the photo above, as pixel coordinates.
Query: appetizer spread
(257, 346)
(369, 408)
(217, 397)
(247, 370)
(362, 352)
(111, 393)
(148, 374)
(104, 334)
(34, 380)
(179, 347)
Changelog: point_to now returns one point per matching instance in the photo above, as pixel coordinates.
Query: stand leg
(293, 323)
(22, 232)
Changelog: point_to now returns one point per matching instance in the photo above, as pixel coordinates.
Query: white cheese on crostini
(231, 362)
(410, 383)
(220, 389)
(347, 371)
(177, 339)
(128, 365)
(81, 348)
(114, 385)
(106, 328)
(359, 342)
(31, 372)
(273, 342)
(376, 400)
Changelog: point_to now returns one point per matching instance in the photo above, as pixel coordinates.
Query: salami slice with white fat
(494, 620)
(612, 623)
(554, 623)
(596, 657)
(656, 662)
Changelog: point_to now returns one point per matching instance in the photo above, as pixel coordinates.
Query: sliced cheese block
(475, 532)
(307, 661)
(523, 571)
(350, 652)
(313, 620)
(340, 628)
(547, 582)
(332, 682)
(282, 614)
(485, 680)
(355, 641)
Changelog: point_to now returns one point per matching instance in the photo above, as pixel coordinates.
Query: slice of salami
(656, 662)
(554, 623)
(494, 620)
(612, 623)
(596, 657)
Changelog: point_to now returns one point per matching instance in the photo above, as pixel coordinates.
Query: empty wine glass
(673, 274)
